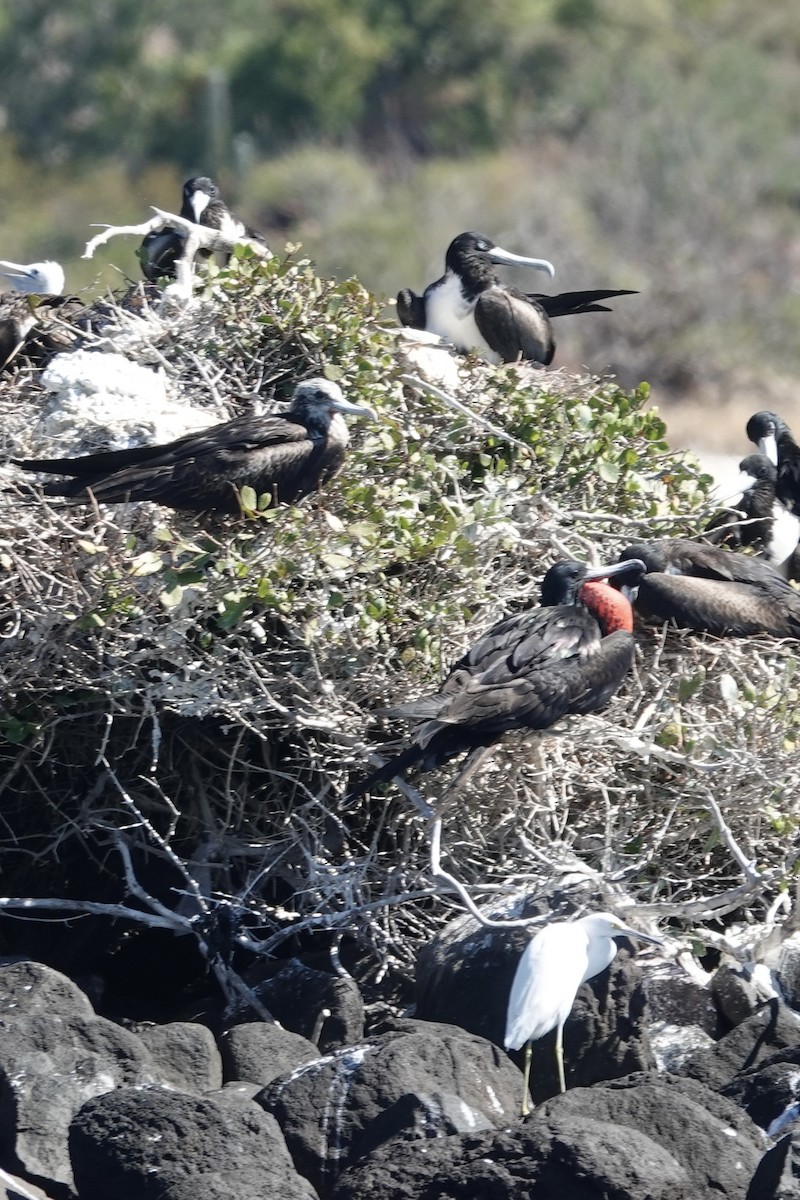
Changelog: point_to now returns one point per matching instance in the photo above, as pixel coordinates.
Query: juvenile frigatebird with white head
(473, 309)
(568, 657)
(38, 279)
(285, 455)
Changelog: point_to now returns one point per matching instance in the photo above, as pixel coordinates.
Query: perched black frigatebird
(709, 589)
(760, 520)
(773, 437)
(473, 309)
(285, 455)
(202, 204)
(567, 657)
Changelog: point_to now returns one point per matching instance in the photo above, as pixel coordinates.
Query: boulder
(154, 1144)
(420, 1084)
(184, 1054)
(260, 1053)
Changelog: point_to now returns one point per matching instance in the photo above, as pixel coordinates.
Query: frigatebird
(202, 204)
(774, 438)
(43, 285)
(708, 588)
(474, 310)
(285, 455)
(39, 278)
(567, 657)
(760, 520)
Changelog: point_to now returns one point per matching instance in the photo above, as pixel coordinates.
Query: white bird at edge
(554, 964)
(39, 278)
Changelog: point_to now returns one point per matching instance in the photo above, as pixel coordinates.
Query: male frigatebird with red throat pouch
(567, 657)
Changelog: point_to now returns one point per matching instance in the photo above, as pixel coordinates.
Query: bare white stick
(421, 385)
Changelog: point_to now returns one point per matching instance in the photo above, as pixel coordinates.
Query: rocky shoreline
(404, 1107)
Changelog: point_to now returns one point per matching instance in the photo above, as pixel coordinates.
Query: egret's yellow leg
(526, 1076)
(560, 1056)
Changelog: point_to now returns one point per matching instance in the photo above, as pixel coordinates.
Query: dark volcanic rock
(185, 1055)
(300, 997)
(717, 1144)
(27, 988)
(464, 977)
(155, 1144)
(737, 992)
(773, 1028)
(587, 1161)
(639, 1139)
(261, 1052)
(418, 1084)
(769, 1090)
(51, 1062)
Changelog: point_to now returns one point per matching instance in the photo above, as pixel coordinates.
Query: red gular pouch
(611, 609)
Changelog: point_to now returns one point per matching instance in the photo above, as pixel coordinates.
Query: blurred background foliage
(651, 146)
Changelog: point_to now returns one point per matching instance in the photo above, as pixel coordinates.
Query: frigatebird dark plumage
(202, 204)
(472, 308)
(567, 657)
(760, 520)
(774, 438)
(708, 588)
(285, 455)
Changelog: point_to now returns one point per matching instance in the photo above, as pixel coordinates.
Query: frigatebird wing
(509, 695)
(411, 309)
(241, 434)
(721, 607)
(514, 326)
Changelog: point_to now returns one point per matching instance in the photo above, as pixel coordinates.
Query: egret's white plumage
(39, 278)
(554, 964)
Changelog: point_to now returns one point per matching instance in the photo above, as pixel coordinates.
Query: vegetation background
(651, 146)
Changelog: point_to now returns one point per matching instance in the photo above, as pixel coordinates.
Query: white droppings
(494, 1101)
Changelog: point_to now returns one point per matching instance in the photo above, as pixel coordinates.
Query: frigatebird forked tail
(569, 304)
(568, 656)
(710, 589)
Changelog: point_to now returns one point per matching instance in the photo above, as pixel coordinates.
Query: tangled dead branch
(193, 697)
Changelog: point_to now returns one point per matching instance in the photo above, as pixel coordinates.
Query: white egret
(554, 964)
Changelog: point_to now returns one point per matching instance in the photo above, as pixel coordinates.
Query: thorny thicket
(197, 693)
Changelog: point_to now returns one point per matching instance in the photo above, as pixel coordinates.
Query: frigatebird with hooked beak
(473, 309)
(567, 657)
(760, 520)
(202, 204)
(774, 438)
(285, 455)
(709, 589)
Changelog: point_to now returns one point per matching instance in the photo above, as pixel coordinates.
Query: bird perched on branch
(760, 520)
(475, 311)
(530, 670)
(554, 964)
(43, 285)
(202, 204)
(285, 455)
(774, 439)
(710, 589)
